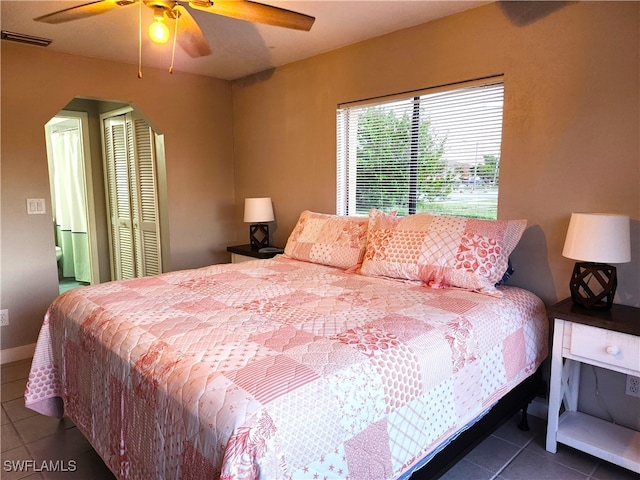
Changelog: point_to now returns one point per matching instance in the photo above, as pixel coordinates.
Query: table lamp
(257, 211)
(595, 240)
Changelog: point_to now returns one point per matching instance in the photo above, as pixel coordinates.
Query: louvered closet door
(119, 197)
(142, 167)
(132, 196)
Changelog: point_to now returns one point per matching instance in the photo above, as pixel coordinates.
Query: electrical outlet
(4, 317)
(633, 386)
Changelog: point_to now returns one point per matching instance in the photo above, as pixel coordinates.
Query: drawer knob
(613, 350)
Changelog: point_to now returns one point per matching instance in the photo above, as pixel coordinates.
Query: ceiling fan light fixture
(191, 39)
(159, 32)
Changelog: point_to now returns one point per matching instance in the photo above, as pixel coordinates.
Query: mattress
(278, 369)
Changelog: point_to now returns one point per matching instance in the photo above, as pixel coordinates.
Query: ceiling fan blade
(255, 12)
(82, 11)
(190, 37)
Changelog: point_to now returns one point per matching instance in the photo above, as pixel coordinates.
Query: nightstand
(244, 253)
(604, 338)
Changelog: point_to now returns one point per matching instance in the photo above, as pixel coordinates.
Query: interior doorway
(70, 178)
(86, 116)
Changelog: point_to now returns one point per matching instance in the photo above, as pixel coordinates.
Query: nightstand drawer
(605, 346)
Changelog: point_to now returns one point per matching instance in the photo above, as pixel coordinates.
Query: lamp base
(602, 278)
(259, 235)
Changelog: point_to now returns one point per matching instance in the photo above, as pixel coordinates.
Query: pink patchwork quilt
(278, 369)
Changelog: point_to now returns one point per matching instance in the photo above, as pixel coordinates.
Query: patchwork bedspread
(278, 369)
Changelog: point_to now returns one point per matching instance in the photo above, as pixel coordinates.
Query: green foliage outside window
(384, 159)
(437, 152)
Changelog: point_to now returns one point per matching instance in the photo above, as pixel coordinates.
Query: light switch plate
(36, 206)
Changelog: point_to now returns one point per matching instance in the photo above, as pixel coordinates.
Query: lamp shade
(258, 210)
(598, 237)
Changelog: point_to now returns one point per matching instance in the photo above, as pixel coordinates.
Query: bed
(313, 364)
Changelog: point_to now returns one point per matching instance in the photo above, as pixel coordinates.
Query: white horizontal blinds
(429, 152)
(347, 149)
(341, 176)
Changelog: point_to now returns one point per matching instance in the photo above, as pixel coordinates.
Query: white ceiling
(239, 48)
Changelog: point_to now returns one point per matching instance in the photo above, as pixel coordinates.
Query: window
(434, 151)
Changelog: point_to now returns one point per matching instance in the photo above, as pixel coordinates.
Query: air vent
(22, 38)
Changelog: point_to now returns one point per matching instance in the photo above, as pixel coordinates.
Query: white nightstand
(607, 339)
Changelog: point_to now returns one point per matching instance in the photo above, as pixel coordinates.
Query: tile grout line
(12, 423)
(513, 457)
(588, 476)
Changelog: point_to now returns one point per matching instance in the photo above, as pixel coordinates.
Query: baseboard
(22, 352)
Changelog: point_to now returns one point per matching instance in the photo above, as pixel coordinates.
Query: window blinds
(432, 151)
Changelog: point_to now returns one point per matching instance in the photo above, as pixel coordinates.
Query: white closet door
(144, 198)
(132, 196)
(119, 197)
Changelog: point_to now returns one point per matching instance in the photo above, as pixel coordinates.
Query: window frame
(347, 127)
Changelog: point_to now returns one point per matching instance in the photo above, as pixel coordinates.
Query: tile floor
(66, 284)
(27, 435)
(508, 454)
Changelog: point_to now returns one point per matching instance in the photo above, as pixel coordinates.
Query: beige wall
(193, 112)
(571, 120)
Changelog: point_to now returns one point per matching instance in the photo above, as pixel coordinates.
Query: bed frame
(517, 399)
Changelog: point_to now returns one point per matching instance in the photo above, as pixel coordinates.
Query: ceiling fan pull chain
(175, 38)
(140, 39)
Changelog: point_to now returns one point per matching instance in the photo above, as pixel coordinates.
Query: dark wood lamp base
(583, 294)
(259, 235)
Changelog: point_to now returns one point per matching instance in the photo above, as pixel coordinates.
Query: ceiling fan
(191, 38)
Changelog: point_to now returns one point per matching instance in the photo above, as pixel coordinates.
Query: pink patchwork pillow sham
(441, 250)
(334, 240)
